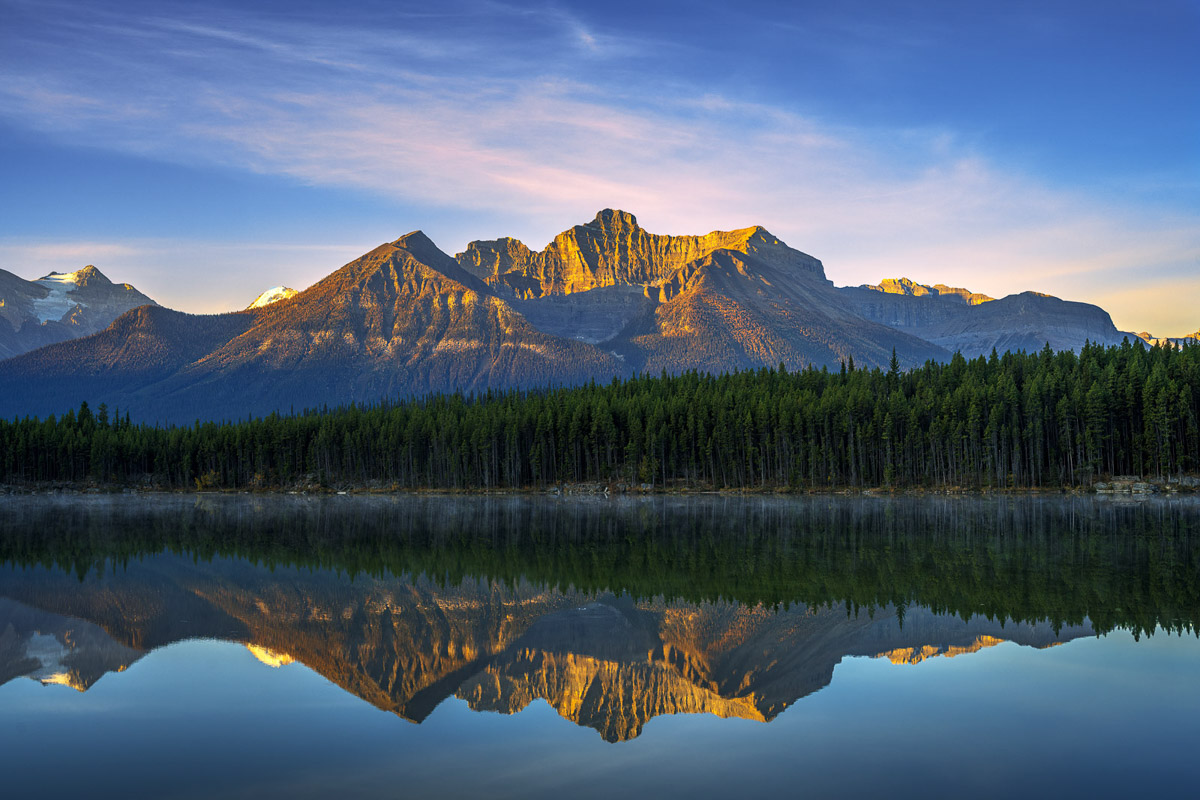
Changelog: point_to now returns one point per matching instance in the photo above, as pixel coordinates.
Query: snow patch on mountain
(273, 296)
(58, 302)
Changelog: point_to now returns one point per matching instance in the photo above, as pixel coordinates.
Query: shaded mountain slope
(973, 324)
(730, 311)
(122, 366)
(54, 649)
(1026, 321)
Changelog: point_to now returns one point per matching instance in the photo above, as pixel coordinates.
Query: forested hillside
(1021, 420)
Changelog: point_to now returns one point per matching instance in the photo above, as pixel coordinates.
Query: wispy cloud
(411, 115)
(60, 253)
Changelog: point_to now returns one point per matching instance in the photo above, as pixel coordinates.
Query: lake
(290, 646)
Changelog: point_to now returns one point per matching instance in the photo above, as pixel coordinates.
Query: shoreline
(1113, 487)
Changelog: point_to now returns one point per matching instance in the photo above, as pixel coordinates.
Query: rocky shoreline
(1129, 484)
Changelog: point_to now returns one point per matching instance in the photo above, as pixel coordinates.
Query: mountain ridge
(959, 320)
(612, 250)
(605, 299)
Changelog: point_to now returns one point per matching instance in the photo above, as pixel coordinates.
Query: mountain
(720, 302)
(59, 307)
(273, 295)
(613, 250)
(959, 320)
(604, 299)
(402, 320)
(120, 365)
(731, 310)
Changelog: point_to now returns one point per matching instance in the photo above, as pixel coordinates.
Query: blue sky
(208, 151)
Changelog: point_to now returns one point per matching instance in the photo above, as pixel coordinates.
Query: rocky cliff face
(613, 250)
(909, 307)
(59, 307)
(720, 302)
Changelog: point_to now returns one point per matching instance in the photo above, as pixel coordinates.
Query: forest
(1012, 421)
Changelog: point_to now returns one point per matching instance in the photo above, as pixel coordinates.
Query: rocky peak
(416, 250)
(902, 286)
(80, 278)
(910, 288)
(614, 219)
(969, 297)
(487, 259)
(90, 276)
(613, 250)
(59, 306)
(417, 243)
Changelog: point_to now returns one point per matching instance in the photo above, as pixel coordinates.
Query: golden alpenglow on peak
(910, 288)
(613, 250)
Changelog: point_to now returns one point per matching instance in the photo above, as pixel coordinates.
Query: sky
(207, 151)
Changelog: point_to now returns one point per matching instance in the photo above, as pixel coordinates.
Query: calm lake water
(235, 646)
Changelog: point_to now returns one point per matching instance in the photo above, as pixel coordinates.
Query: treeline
(1018, 420)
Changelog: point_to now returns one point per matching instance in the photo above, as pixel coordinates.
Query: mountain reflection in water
(614, 612)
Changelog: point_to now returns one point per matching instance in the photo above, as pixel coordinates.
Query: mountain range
(605, 299)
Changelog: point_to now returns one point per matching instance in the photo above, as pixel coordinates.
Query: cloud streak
(411, 117)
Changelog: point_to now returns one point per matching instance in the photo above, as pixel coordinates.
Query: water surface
(189, 646)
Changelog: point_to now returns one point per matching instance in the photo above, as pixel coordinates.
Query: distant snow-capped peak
(61, 285)
(61, 278)
(273, 296)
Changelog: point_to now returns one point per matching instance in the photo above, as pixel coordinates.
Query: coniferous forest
(1021, 420)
